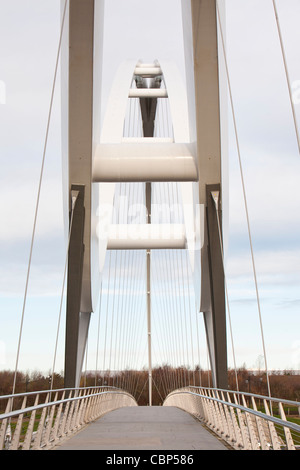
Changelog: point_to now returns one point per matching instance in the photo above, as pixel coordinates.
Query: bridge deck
(144, 428)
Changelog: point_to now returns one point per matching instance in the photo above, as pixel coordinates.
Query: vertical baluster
(63, 425)
(50, 417)
(252, 435)
(260, 429)
(40, 430)
(55, 430)
(245, 437)
(81, 413)
(69, 418)
(30, 429)
(16, 435)
(230, 428)
(234, 420)
(75, 414)
(273, 433)
(287, 432)
(5, 427)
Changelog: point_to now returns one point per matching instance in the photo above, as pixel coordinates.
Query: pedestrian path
(144, 428)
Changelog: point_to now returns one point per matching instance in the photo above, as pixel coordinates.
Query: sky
(29, 33)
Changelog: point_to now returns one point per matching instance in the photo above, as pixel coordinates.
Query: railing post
(4, 426)
(55, 430)
(273, 433)
(288, 437)
(223, 420)
(252, 436)
(28, 436)
(62, 428)
(80, 418)
(237, 430)
(49, 423)
(75, 414)
(230, 428)
(245, 437)
(16, 436)
(69, 418)
(39, 434)
(261, 433)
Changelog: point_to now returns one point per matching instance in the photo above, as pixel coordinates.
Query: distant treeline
(283, 384)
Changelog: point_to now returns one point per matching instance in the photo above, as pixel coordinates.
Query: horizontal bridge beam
(148, 93)
(148, 72)
(144, 163)
(146, 236)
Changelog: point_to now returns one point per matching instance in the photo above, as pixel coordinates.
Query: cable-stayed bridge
(145, 201)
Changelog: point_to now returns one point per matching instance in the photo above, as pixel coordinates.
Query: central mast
(148, 111)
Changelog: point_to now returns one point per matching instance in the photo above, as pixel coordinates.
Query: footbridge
(145, 195)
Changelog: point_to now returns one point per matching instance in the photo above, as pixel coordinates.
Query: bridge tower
(88, 162)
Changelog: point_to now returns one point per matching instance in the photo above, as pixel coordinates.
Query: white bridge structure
(186, 151)
(149, 183)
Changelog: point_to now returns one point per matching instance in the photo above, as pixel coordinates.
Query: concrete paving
(144, 428)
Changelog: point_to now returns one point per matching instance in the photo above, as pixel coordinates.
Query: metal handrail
(259, 414)
(23, 394)
(29, 409)
(248, 394)
(58, 419)
(241, 427)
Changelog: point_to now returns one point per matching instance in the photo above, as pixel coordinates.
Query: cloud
(279, 266)
(18, 211)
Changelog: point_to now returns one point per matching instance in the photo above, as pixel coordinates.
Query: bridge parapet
(234, 417)
(55, 415)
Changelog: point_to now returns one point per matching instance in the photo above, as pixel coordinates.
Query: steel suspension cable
(137, 307)
(198, 342)
(286, 73)
(98, 333)
(106, 320)
(167, 256)
(244, 194)
(86, 359)
(160, 343)
(38, 195)
(74, 199)
(122, 322)
(116, 365)
(175, 219)
(216, 202)
(113, 313)
(160, 290)
(190, 316)
(180, 327)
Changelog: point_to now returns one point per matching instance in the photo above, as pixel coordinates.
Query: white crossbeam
(148, 72)
(146, 236)
(148, 93)
(128, 162)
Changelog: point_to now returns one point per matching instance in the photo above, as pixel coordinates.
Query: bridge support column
(207, 98)
(215, 317)
(82, 44)
(77, 323)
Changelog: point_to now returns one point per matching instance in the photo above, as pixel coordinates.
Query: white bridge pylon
(146, 144)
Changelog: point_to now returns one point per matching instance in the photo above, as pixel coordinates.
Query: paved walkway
(144, 428)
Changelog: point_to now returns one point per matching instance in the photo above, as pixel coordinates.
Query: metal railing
(243, 420)
(42, 420)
